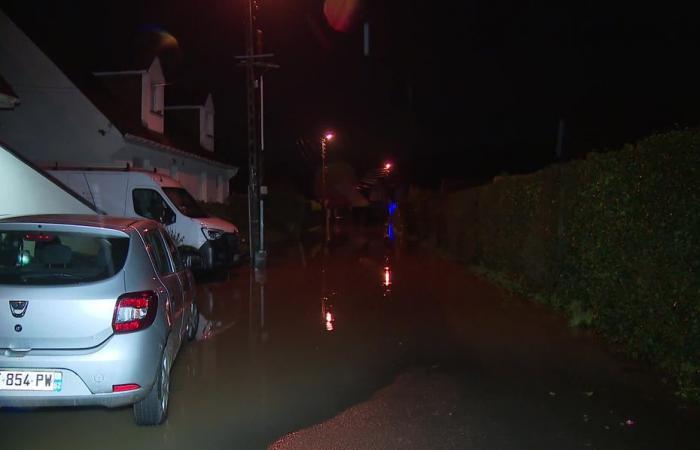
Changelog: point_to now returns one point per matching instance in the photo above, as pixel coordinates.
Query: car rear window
(46, 258)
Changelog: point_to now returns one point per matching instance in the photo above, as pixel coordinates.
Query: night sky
(458, 90)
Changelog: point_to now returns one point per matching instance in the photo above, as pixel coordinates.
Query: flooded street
(372, 345)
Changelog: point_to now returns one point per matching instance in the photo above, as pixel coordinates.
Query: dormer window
(154, 98)
(210, 125)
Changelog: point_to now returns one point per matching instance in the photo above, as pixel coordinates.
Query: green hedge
(612, 241)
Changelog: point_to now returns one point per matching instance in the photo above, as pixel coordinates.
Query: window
(158, 253)
(154, 98)
(184, 202)
(149, 203)
(174, 252)
(50, 258)
(210, 125)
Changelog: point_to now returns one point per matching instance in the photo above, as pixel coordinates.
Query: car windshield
(184, 202)
(48, 258)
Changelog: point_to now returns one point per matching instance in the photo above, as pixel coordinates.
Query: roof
(158, 141)
(179, 96)
(96, 221)
(116, 107)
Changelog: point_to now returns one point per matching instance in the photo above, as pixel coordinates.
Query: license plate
(30, 380)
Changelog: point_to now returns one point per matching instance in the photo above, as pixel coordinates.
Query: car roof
(89, 220)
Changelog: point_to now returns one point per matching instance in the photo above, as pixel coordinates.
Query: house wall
(24, 191)
(198, 177)
(55, 124)
(206, 124)
(54, 121)
(152, 82)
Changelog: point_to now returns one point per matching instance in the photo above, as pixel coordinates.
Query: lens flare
(341, 14)
(163, 39)
(167, 40)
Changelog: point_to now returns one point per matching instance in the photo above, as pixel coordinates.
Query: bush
(611, 241)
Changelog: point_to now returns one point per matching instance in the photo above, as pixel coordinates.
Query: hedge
(612, 241)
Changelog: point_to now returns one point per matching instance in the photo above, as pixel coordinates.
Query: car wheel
(193, 323)
(153, 409)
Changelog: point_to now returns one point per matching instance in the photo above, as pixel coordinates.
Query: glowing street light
(388, 166)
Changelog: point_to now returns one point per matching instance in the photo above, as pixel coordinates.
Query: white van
(134, 193)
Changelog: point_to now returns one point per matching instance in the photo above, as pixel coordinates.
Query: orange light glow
(388, 166)
(329, 136)
(387, 277)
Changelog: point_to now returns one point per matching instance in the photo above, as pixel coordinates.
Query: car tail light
(39, 237)
(134, 311)
(125, 387)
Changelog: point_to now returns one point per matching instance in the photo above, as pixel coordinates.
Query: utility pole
(253, 156)
(250, 61)
(324, 193)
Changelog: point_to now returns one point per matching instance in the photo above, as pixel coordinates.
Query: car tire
(193, 323)
(153, 409)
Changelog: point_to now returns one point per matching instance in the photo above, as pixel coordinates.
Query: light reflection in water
(327, 316)
(386, 281)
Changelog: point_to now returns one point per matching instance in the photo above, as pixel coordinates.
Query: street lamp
(327, 137)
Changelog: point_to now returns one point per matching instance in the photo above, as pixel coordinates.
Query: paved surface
(418, 354)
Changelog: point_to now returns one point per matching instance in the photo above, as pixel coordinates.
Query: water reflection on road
(322, 329)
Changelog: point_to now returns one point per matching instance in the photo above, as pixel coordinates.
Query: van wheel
(153, 409)
(193, 323)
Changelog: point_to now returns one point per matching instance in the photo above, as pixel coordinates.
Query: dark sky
(460, 90)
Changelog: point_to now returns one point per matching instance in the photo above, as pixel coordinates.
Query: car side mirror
(169, 217)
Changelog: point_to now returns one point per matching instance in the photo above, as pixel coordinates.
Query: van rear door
(109, 189)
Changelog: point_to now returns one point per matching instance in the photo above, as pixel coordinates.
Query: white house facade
(113, 119)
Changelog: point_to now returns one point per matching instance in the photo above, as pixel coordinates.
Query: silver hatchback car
(93, 311)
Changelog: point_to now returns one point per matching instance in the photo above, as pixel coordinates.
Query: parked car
(93, 311)
(137, 193)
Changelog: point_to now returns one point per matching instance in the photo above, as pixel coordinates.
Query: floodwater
(323, 331)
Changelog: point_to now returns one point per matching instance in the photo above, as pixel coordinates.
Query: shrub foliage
(612, 241)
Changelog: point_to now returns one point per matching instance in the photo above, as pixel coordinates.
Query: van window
(48, 258)
(149, 203)
(184, 202)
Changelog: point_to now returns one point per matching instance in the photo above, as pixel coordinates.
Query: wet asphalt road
(379, 347)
